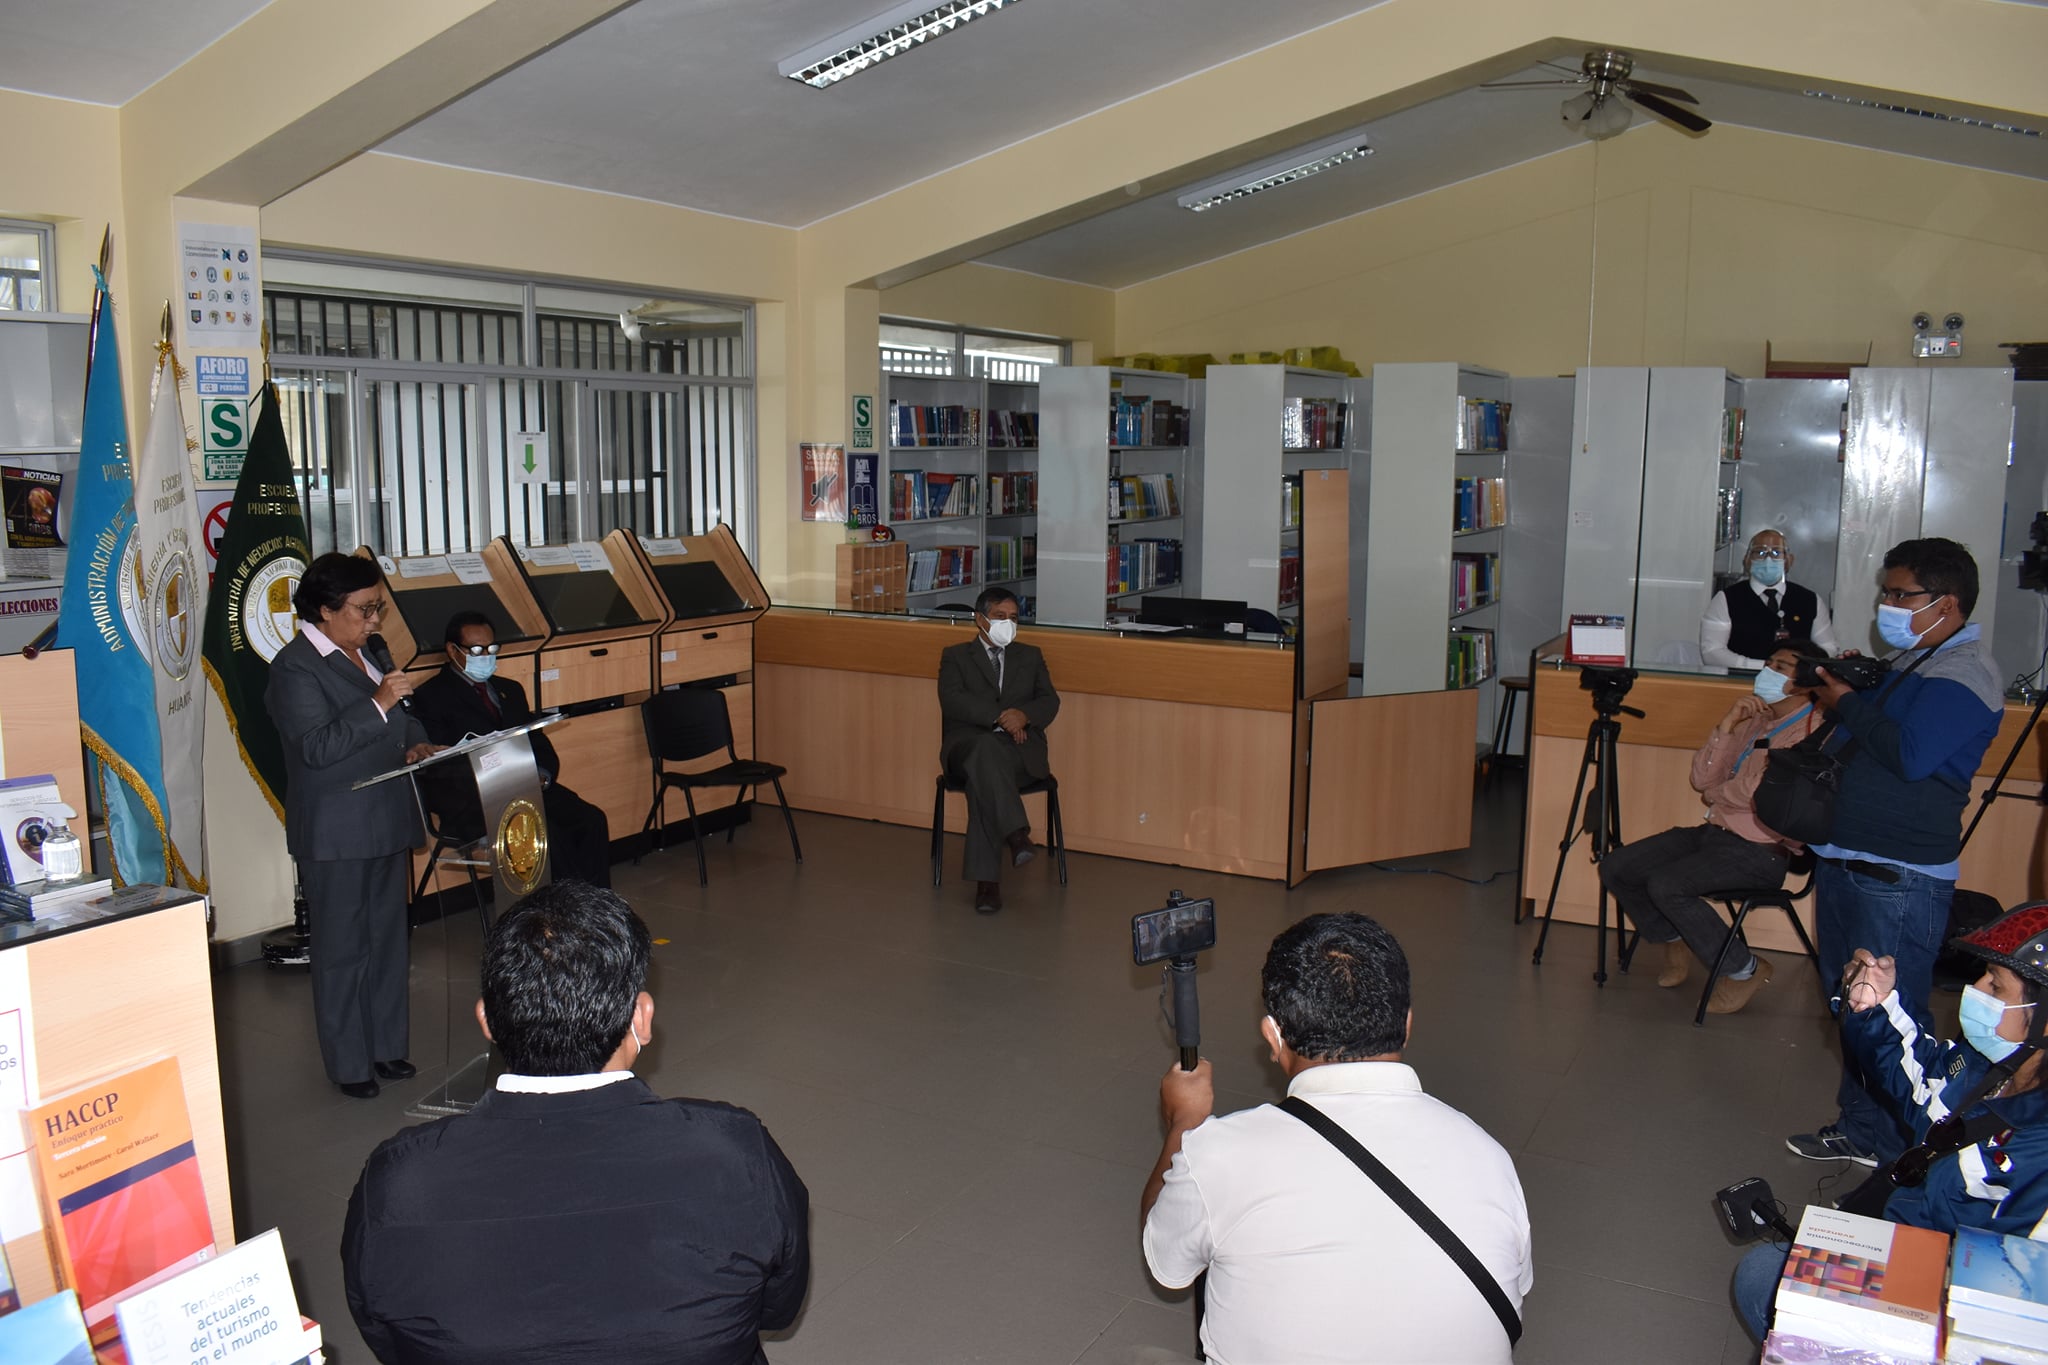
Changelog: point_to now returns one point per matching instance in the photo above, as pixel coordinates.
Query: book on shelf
(1138, 420)
(50, 1331)
(1133, 497)
(920, 495)
(1314, 423)
(1010, 557)
(1866, 1283)
(1732, 422)
(931, 424)
(1012, 430)
(1479, 503)
(1290, 501)
(1475, 580)
(1136, 565)
(1290, 576)
(1483, 425)
(1013, 494)
(942, 566)
(1470, 657)
(119, 1177)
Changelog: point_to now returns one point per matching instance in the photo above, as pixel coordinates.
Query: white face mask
(1895, 625)
(1000, 633)
(1770, 685)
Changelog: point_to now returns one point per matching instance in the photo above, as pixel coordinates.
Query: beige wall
(1010, 301)
(1706, 249)
(68, 173)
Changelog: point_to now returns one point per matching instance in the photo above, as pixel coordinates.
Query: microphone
(380, 655)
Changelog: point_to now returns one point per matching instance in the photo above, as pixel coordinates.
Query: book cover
(51, 1332)
(122, 1196)
(236, 1309)
(1864, 1281)
(1987, 1324)
(2007, 1274)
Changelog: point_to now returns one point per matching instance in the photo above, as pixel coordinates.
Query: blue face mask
(1895, 625)
(1770, 685)
(1980, 1013)
(1767, 573)
(479, 667)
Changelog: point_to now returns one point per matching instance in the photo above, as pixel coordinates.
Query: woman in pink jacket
(1658, 881)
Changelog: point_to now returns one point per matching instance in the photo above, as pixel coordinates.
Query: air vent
(1911, 112)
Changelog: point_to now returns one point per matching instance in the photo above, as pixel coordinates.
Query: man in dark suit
(468, 698)
(574, 1215)
(997, 699)
(342, 720)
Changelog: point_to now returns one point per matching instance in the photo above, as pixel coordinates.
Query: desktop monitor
(1196, 613)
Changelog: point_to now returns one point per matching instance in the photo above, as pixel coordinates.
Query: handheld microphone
(380, 655)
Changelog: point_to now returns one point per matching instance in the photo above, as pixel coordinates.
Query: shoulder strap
(1406, 1200)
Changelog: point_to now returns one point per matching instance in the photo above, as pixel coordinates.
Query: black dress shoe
(988, 898)
(400, 1070)
(1021, 851)
(359, 1090)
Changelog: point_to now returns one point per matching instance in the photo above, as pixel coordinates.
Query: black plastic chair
(474, 853)
(1055, 828)
(688, 723)
(1740, 902)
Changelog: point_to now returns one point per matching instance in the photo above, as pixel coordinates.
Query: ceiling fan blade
(1684, 118)
(1529, 85)
(1669, 92)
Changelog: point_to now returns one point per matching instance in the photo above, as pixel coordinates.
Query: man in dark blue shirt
(1885, 879)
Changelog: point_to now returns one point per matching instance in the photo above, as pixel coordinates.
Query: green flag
(249, 616)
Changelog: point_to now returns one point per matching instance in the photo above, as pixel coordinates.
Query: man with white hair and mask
(1746, 620)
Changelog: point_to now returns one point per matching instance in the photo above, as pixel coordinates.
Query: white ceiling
(679, 100)
(107, 51)
(1455, 138)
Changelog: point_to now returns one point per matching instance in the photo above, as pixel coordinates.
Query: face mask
(1770, 685)
(1980, 1013)
(1000, 633)
(1767, 573)
(1895, 625)
(478, 667)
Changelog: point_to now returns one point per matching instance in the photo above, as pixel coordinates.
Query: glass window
(25, 267)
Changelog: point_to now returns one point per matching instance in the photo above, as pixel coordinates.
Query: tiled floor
(972, 1101)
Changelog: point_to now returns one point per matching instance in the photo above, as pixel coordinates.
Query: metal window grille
(409, 422)
(922, 349)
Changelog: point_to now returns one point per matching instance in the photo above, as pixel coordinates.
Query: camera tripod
(1602, 820)
(1994, 791)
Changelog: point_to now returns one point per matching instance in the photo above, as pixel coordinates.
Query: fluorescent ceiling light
(1295, 166)
(885, 36)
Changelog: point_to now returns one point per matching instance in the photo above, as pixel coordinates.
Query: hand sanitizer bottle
(63, 857)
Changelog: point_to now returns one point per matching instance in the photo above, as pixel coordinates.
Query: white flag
(166, 583)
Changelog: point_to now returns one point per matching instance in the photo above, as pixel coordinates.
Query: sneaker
(1829, 1144)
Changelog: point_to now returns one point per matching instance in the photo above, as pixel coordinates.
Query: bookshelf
(1263, 428)
(959, 488)
(1115, 492)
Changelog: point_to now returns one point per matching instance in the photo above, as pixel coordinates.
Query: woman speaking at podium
(341, 711)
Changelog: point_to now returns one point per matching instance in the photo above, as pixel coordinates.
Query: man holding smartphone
(1911, 748)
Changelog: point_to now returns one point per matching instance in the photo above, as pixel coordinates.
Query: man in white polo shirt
(1308, 1260)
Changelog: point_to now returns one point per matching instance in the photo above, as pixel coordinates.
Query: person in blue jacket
(1977, 1109)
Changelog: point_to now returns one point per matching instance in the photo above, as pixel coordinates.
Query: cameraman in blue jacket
(1977, 1108)
(1885, 879)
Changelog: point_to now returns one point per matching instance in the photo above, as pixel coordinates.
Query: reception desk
(2004, 859)
(1193, 752)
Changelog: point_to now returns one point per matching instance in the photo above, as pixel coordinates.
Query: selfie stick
(1187, 1012)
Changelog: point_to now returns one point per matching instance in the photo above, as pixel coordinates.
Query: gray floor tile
(1146, 1334)
(1573, 1318)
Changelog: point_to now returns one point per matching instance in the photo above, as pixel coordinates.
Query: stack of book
(1863, 1284)
(1290, 577)
(912, 424)
(1134, 497)
(918, 495)
(1137, 565)
(1470, 658)
(1013, 494)
(1136, 420)
(24, 900)
(1314, 423)
(1483, 424)
(1475, 581)
(1011, 558)
(1479, 504)
(1997, 1300)
(1013, 430)
(942, 566)
(1290, 501)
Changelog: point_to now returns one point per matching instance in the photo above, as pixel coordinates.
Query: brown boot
(1730, 996)
(1677, 964)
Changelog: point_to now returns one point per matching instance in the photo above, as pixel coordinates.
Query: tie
(1771, 600)
(995, 656)
(483, 692)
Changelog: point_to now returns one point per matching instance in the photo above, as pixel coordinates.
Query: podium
(516, 829)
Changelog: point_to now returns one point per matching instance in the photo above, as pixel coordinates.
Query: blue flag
(101, 617)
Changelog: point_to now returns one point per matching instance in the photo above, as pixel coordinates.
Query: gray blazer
(970, 704)
(333, 736)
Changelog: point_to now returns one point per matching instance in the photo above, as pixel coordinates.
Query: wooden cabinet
(689, 654)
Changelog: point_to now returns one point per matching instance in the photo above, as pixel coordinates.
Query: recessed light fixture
(1909, 110)
(1271, 176)
(885, 36)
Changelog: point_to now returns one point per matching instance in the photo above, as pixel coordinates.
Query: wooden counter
(2004, 859)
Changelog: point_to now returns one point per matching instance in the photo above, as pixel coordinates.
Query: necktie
(1771, 600)
(483, 692)
(995, 656)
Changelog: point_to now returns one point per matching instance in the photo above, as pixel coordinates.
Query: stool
(1512, 690)
(1740, 903)
(1055, 830)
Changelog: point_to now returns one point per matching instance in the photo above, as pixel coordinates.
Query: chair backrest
(686, 723)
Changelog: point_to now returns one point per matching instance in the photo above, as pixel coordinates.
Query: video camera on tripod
(1174, 935)
(1609, 686)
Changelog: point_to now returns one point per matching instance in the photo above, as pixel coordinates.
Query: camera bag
(1802, 782)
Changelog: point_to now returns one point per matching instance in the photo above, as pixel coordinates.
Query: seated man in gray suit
(997, 699)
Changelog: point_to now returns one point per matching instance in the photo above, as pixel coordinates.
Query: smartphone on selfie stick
(1174, 934)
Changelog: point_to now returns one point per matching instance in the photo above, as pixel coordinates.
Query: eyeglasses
(1766, 553)
(478, 651)
(369, 611)
(1895, 596)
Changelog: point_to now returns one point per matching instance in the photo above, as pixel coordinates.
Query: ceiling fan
(1596, 113)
